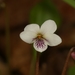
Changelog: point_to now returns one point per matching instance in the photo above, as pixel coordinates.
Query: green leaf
(70, 2)
(71, 70)
(44, 11)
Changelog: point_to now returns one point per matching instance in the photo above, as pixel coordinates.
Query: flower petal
(32, 27)
(27, 36)
(40, 45)
(52, 39)
(49, 26)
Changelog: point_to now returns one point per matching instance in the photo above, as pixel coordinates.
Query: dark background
(53, 59)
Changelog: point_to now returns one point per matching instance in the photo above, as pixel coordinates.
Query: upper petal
(32, 27)
(27, 36)
(49, 26)
(53, 39)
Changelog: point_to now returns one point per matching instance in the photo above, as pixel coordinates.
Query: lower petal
(40, 45)
(53, 39)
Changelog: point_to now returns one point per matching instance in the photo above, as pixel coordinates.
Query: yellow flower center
(39, 36)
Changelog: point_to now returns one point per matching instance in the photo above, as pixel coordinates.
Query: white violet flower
(42, 36)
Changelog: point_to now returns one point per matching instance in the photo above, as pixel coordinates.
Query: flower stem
(33, 61)
(34, 68)
(66, 63)
(37, 64)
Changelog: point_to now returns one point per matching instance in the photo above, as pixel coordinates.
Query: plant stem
(37, 64)
(33, 63)
(34, 68)
(66, 63)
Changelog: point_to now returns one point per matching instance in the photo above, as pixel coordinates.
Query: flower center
(39, 41)
(39, 36)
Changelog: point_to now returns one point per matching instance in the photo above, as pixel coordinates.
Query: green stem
(37, 64)
(34, 69)
(33, 62)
